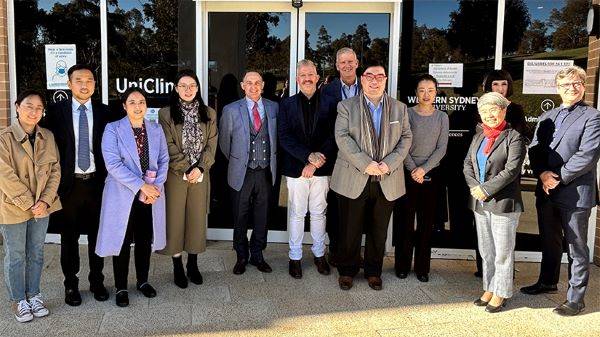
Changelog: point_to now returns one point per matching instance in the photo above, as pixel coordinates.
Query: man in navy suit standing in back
(564, 154)
(344, 87)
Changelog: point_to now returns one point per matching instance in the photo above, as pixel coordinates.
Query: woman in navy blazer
(133, 203)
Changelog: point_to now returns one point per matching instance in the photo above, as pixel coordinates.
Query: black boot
(179, 274)
(192, 269)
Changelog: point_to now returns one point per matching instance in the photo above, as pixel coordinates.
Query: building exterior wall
(4, 81)
(592, 98)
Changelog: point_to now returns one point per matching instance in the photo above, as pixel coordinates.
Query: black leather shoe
(122, 298)
(262, 266)
(401, 274)
(240, 267)
(492, 309)
(539, 288)
(375, 282)
(322, 265)
(295, 269)
(147, 290)
(480, 303)
(72, 297)
(100, 293)
(478, 274)
(345, 282)
(423, 278)
(569, 309)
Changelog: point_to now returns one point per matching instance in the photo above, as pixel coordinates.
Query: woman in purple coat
(133, 203)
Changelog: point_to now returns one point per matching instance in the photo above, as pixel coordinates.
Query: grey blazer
(348, 178)
(234, 139)
(572, 154)
(502, 172)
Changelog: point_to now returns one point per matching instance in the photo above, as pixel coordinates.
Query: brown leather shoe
(345, 282)
(295, 269)
(322, 265)
(375, 282)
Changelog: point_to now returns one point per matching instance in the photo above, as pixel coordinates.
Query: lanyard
(345, 96)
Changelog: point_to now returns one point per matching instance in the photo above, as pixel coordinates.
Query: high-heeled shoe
(480, 303)
(493, 309)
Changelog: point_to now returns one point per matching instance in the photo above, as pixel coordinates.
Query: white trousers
(307, 195)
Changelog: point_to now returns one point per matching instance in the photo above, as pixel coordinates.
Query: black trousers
(370, 212)
(80, 214)
(251, 203)
(333, 221)
(139, 231)
(420, 200)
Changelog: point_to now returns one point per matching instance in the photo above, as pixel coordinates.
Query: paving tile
(250, 314)
(134, 321)
(432, 330)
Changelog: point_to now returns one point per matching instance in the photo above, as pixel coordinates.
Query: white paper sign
(59, 58)
(538, 75)
(448, 75)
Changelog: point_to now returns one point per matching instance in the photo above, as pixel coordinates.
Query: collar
(348, 87)
(20, 134)
(75, 104)
(313, 98)
(250, 103)
(572, 107)
(371, 104)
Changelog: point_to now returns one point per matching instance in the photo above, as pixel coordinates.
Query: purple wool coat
(124, 180)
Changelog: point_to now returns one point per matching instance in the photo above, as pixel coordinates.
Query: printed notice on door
(448, 75)
(538, 75)
(59, 58)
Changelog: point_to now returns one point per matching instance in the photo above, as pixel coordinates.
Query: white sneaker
(22, 311)
(38, 309)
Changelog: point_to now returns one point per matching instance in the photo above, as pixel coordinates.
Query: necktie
(256, 117)
(83, 146)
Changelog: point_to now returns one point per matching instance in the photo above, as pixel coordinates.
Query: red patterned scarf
(491, 134)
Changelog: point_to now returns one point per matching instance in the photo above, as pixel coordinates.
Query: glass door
(265, 37)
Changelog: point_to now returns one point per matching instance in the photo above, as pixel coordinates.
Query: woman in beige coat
(191, 131)
(30, 173)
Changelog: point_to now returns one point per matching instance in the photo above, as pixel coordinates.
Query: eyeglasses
(373, 77)
(575, 85)
(186, 87)
(31, 109)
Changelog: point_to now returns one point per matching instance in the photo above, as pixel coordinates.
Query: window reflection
(38, 23)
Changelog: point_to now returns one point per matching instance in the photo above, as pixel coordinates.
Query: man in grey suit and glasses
(248, 139)
(563, 154)
(373, 136)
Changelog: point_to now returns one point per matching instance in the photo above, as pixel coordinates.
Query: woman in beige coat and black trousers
(191, 131)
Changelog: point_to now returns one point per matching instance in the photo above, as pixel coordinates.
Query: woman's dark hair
(175, 104)
(131, 90)
(26, 93)
(425, 77)
(498, 75)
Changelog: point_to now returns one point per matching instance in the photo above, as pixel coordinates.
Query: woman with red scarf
(492, 169)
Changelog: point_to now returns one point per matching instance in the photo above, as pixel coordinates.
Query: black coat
(298, 140)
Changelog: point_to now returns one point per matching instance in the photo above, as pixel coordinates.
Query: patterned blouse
(141, 141)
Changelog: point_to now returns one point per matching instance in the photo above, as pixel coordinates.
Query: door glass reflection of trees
(148, 41)
(41, 22)
(326, 33)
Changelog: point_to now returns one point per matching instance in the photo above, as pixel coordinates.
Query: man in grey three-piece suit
(373, 135)
(248, 139)
(563, 154)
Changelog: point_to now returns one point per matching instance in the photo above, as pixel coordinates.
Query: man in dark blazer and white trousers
(248, 139)
(344, 87)
(78, 125)
(373, 135)
(564, 154)
(306, 165)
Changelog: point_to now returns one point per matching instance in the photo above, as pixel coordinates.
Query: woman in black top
(501, 82)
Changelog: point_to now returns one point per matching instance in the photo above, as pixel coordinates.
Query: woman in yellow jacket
(30, 173)
(191, 131)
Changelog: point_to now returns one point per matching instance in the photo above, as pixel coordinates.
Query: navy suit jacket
(234, 139)
(59, 120)
(331, 95)
(572, 154)
(298, 140)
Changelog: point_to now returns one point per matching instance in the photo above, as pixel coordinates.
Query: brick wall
(4, 82)
(591, 97)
